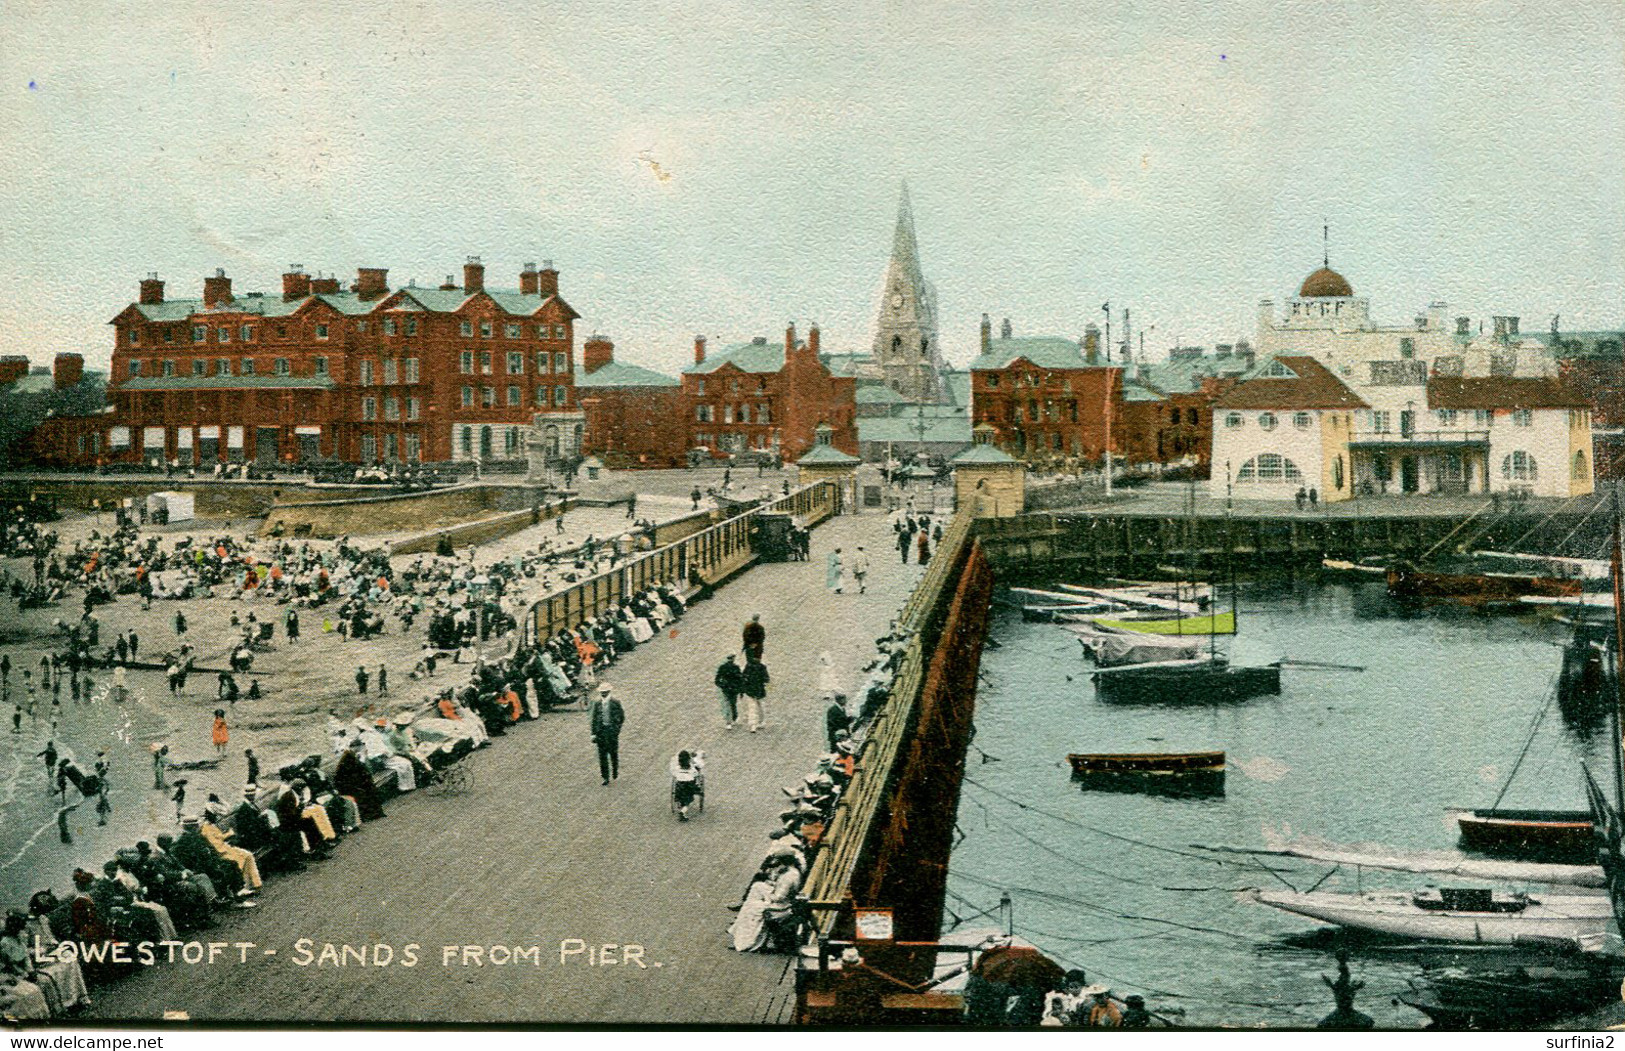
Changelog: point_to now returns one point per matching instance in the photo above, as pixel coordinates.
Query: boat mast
(1614, 573)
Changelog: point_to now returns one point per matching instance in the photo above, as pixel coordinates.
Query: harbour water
(1115, 884)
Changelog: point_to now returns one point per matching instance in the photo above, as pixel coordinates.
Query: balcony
(1415, 439)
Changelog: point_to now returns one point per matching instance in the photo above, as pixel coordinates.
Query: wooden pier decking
(539, 852)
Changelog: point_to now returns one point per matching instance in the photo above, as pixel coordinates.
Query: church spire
(905, 250)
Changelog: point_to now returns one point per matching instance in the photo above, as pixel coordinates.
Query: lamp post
(476, 594)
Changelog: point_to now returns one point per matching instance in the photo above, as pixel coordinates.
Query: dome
(1325, 283)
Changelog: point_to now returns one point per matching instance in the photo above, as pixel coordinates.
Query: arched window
(1232, 419)
(1269, 468)
(1580, 469)
(1518, 467)
(1266, 421)
(1173, 415)
(550, 440)
(468, 442)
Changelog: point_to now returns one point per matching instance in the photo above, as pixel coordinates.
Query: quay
(539, 853)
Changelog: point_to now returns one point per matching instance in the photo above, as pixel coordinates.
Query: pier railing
(709, 554)
(858, 815)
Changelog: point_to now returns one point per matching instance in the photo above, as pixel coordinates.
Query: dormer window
(1277, 370)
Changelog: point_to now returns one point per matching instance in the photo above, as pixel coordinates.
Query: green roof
(826, 454)
(438, 300)
(620, 374)
(902, 430)
(877, 394)
(1133, 391)
(983, 454)
(1185, 375)
(958, 386)
(845, 364)
(224, 382)
(767, 356)
(1048, 352)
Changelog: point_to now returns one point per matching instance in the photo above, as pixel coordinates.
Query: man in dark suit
(754, 638)
(607, 718)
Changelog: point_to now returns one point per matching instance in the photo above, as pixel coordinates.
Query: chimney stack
(216, 289)
(295, 283)
(13, 367)
(596, 353)
(1091, 342)
(152, 289)
(527, 281)
(449, 285)
(789, 339)
(68, 370)
(1004, 329)
(371, 282)
(699, 350)
(1464, 326)
(812, 339)
(987, 334)
(473, 275)
(547, 280)
(324, 286)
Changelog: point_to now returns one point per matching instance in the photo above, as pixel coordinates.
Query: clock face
(897, 300)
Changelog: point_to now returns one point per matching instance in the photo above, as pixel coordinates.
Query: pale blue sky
(1176, 158)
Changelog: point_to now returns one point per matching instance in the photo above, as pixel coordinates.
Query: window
(366, 374)
(1266, 468)
(389, 326)
(727, 414)
(485, 330)
(1578, 469)
(390, 445)
(544, 362)
(169, 337)
(543, 332)
(1232, 419)
(281, 367)
(561, 362)
(199, 333)
(465, 362)
(488, 397)
(245, 333)
(1337, 472)
(135, 338)
(1483, 417)
(321, 366)
(169, 368)
(992, 379)
(1277, 370)
(391, 371)
(1407, 348)
(411, 408)
(1518, 467)
(744, 414)
(1523, 417)
(411, 330)
(223, 334)
(467, 441)
(1382, 421)
(369, 448)
(510, 441)
(514, 397)
(516, 363)
(733, 385)
(392, 408)
(222, 366)
(485, 362)
(369, 408)
(543, 396)
(411, 370)
(511, 331)
(466, 328)
(361, 326)
(1266, 421)
(699, 387)
(321, 331)
(199, 366)
(559, 332)
(414, 447)
(560, 395)
(762, 414)
(468, 397)
(1301, 420)
(1446, 417)
(702, 413)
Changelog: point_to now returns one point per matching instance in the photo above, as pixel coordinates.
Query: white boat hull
(1548, 916)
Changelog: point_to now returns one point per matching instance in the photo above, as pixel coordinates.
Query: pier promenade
(539, 852)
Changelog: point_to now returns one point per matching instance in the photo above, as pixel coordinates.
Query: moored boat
(1205, 624)
(1563, 836)
(1405, 581)
(1186, 682)
(1452, 914)
(1172, 773)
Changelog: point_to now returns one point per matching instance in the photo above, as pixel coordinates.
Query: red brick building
(361, 374)
(759, 397)
(1168, 406)
(1046, 402)
(635, 416)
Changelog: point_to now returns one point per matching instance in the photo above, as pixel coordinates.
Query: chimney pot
(451, 283)
(473, 275)
(152, 289)
(699, 350)
(371, 282)
(216, 289)
(547, 280)
(1004, 329)
(295, 283)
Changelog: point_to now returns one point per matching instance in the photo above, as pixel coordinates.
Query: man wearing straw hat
(607, 719)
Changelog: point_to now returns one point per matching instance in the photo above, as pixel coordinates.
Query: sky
(724, 168)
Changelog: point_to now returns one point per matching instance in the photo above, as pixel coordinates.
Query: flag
(1105, 308)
